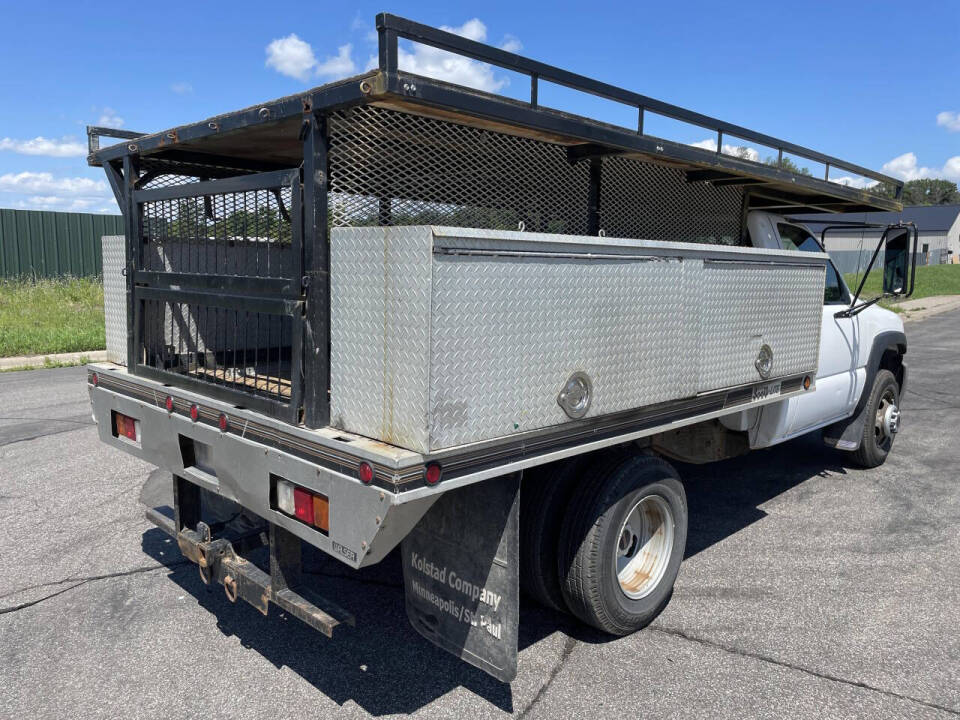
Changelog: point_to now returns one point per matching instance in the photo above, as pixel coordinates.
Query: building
(938, 229)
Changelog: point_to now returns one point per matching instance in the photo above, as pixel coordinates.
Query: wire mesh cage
(394, 168)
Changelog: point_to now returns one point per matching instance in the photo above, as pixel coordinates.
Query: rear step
(218, 560)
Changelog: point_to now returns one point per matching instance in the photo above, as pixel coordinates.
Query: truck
(393, 313)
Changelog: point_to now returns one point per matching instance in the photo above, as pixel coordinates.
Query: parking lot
(810, 588)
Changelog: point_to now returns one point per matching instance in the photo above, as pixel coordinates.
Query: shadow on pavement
(385, 667)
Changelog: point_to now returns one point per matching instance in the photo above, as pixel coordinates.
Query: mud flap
(461, 574)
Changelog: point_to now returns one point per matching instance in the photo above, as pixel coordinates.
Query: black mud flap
(461, 574)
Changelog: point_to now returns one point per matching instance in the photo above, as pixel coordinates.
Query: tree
(922, 192)
(787, 164)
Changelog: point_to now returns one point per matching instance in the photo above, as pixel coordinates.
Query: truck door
(837, 378)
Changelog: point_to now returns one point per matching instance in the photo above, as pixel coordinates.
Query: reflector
(433, 473)
(365, 472)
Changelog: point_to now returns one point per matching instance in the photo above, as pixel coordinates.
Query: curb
(27, 362)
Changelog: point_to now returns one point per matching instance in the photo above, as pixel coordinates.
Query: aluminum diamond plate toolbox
(447, 336)
(115, 297)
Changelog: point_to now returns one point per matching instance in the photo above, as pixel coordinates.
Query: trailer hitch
(218, 560)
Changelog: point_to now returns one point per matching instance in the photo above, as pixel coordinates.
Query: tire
(607, 580)
(877, 438)
(543, 501)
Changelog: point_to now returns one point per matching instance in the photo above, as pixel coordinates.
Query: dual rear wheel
(603, 538)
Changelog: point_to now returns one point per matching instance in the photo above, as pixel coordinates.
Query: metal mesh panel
(242, 233)
(235, 348)
(655, 202)
(393, 168)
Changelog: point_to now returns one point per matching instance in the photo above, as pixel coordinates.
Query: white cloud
(54, 202)
(182, 88)
(906, 167)
(740, 151)
(854, 182)
(442, 65)
(291, 56)
(109, 118)
(49, 147)
(949, 120)
(45, 184)
(338, 66)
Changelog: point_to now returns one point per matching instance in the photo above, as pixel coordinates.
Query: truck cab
(854, 348)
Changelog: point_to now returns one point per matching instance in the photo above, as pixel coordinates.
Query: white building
(938, 228)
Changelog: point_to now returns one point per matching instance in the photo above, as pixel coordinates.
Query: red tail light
(222, 422)
(365, 472)
(194, 413)
(125, 426)
(169, 403)
(432, 475)
(95, 379)
(303, 505)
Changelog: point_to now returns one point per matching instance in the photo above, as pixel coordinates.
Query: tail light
(126, 427)
(222, 422)
(365, 473)
(95, 379)
(305, 505)
(168, 403)
(194, 413)
(433, 473)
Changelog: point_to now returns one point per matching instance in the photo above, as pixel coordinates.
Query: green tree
(922, 192)
(787, 164)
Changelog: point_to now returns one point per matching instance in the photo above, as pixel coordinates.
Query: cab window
(794, 237)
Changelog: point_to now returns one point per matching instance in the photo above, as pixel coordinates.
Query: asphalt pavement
(811, 588)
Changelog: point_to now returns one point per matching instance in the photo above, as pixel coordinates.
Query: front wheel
(623, 540)
(882, 421)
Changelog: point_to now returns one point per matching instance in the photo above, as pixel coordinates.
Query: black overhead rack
(267, 137)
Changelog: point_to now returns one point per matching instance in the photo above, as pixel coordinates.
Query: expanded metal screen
(645, 200)
(394, 168)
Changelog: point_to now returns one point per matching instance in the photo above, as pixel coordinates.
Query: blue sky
(874, 83)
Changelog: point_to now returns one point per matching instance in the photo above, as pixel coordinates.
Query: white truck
(392, 311)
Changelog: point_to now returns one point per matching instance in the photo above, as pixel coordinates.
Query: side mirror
(896, 261)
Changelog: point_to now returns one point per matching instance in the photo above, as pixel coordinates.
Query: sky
(874, 83)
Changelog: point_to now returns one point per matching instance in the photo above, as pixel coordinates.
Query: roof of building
(927, 218)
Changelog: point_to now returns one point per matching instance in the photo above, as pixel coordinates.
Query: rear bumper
(365, 521)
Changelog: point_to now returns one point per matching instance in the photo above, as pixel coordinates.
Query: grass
(931, 280)
(45, 317)
(47, 364)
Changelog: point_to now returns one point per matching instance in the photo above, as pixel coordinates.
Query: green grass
(45, 317)
(931, 280)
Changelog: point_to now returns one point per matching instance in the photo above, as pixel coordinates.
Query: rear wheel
(882, 421)
(623, 540)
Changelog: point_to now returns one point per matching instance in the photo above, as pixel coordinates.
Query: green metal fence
(39, 243)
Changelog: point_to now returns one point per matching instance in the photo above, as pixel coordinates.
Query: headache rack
(228, 220)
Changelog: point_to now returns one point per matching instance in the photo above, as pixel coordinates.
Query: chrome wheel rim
(887, 422)
(644, 547)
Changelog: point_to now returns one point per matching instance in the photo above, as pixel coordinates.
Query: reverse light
(432, 474)
(285, 501)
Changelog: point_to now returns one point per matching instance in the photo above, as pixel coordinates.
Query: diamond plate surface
(113, 248)
(380, 332)
(748, 305)
(446, 336)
